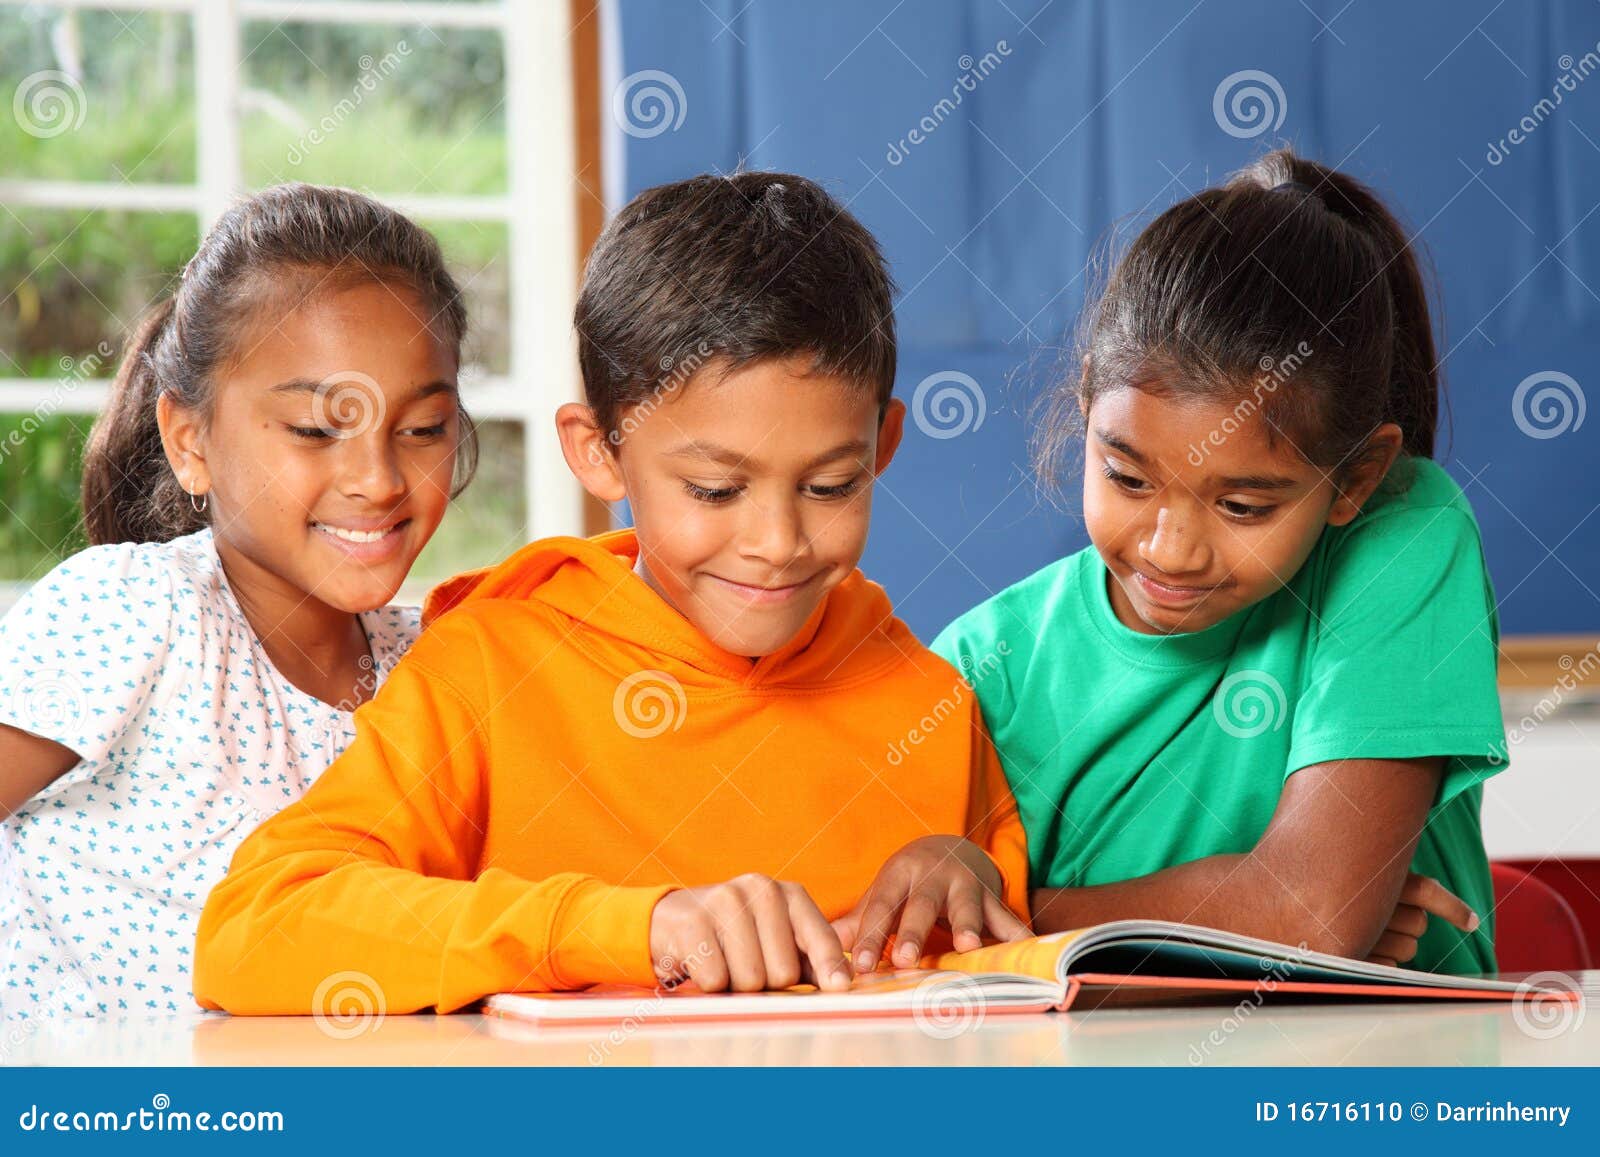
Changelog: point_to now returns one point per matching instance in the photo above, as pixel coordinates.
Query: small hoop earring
(199, 507)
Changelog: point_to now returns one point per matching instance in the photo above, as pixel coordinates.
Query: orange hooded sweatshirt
(559, 751)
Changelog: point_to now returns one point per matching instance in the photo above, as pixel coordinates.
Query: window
(133, 125)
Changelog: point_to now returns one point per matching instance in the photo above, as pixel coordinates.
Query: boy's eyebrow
(721, 454)
(308, 386)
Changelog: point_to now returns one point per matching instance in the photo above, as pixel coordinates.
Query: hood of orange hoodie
(852, 634)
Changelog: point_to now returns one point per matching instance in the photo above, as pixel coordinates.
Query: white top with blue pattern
(139, 659)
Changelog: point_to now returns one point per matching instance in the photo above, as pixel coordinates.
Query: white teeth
(355, 535)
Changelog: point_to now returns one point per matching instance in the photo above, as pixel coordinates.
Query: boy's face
(751, 493)
(1193, 531)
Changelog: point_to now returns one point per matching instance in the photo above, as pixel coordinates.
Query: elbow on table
(233, 969)
(1330, 926)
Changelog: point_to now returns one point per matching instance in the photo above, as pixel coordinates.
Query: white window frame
(538, 208)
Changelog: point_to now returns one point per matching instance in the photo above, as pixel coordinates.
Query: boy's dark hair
(1224, 294)
(284, 243)
(731, 270)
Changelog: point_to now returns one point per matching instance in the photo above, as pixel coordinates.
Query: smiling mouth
(360, 536)
(763, 594)
(1161, 592)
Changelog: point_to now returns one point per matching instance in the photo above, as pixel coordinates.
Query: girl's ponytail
(1414, 372)
(129, 491)
(1289, 289)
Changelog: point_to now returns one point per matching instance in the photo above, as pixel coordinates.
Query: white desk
(1283, 1035)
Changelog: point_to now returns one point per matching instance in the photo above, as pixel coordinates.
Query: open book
(1122, 963)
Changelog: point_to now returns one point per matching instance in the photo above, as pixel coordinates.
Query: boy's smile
(751, 492)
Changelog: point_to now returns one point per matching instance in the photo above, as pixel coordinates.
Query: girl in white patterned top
(283, 437)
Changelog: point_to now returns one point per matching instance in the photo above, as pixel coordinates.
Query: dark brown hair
(284, 243)
(1286, 256)
(731, 270)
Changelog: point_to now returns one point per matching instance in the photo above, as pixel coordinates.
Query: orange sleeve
(370, 881)
(994, 823)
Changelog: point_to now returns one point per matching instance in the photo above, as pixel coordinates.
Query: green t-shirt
(1130, 752)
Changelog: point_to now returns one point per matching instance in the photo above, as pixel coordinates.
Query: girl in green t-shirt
(1264, 699)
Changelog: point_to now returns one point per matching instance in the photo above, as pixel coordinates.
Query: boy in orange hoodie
(703, 748)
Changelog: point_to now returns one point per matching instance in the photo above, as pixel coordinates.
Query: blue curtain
(996, 149)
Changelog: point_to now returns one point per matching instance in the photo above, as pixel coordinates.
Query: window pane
(72, 284)
(98, 96)
(40, 460)
(478, 254)
(486, 523)
(393, 108)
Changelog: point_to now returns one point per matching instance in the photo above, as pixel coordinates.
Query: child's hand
(928, 878)
(748, 934)
(1421, 897)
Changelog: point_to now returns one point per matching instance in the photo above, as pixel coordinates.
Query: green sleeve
(1402, 661)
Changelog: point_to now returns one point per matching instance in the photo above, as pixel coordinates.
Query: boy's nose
(772, 533)
(1173, 547)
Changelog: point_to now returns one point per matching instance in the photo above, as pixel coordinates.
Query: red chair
(1535, 929)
